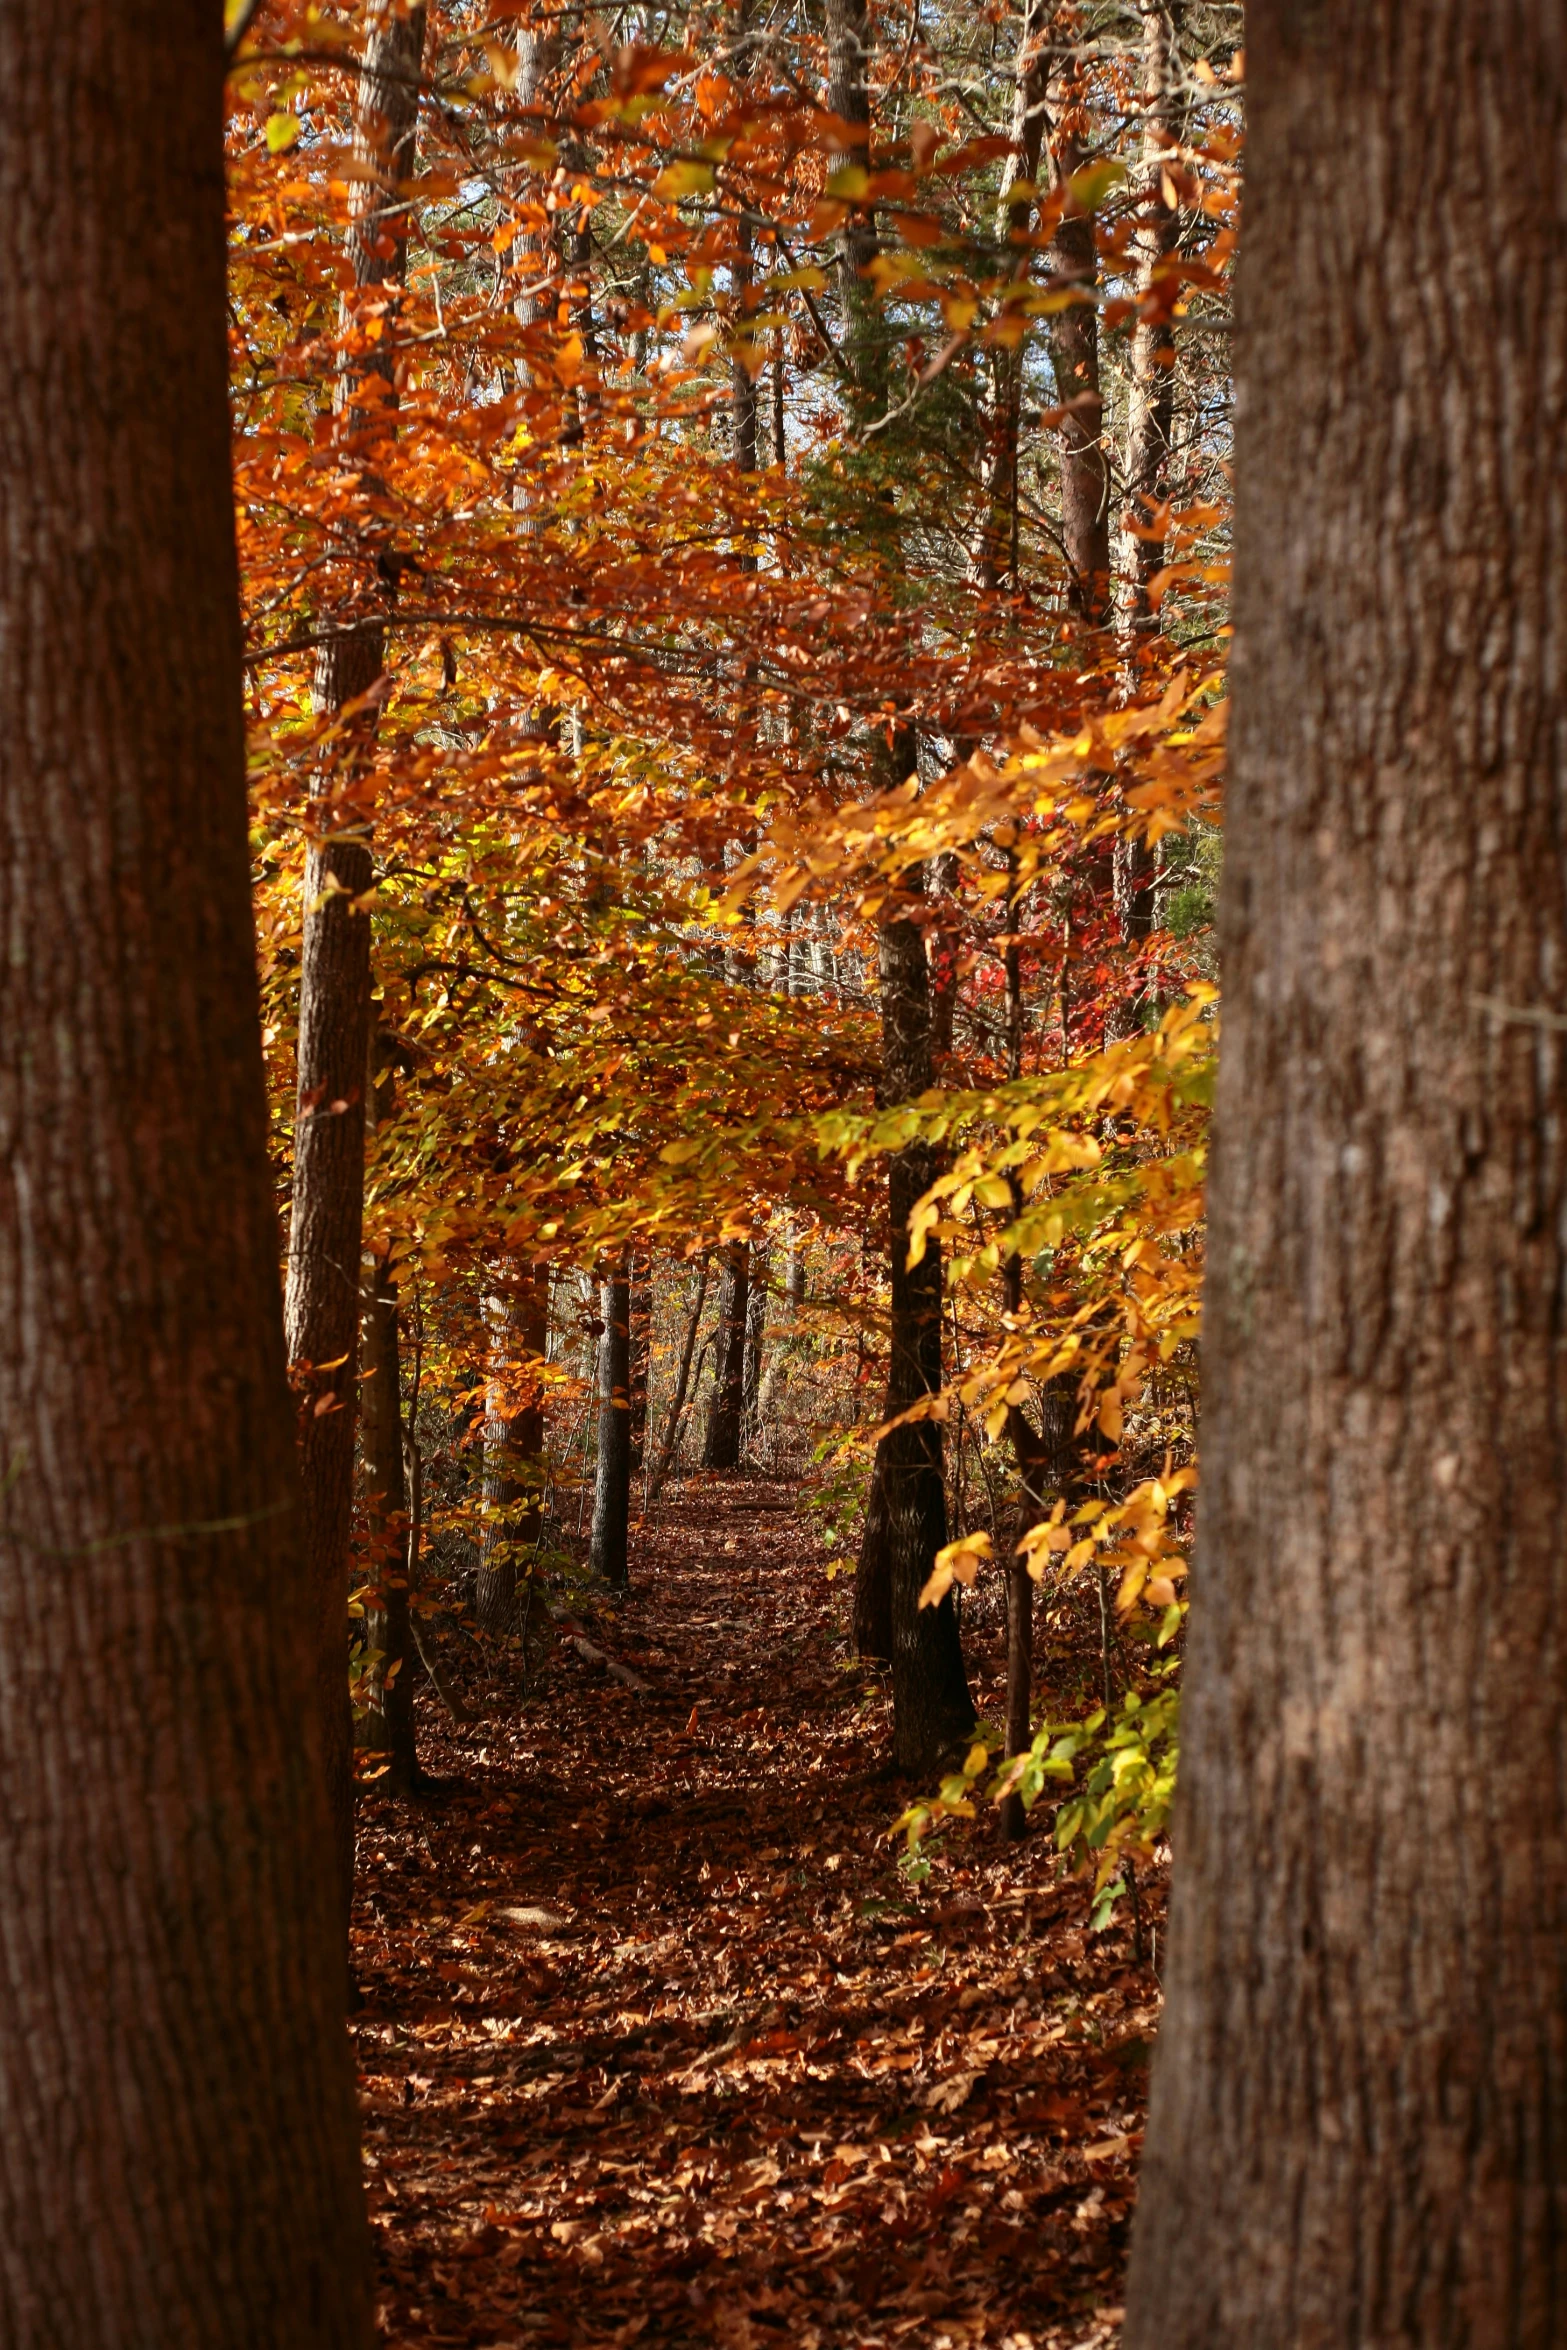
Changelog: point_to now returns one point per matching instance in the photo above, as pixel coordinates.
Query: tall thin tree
(612, 1477)
(1360, 2095)
(178, 2156)
(322, 1298)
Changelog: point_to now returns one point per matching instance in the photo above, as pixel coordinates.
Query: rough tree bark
(518, 1315)
(726, 1412)
(612, 1478)
(1360, 2102)
(178, 2139)
(322, 1301)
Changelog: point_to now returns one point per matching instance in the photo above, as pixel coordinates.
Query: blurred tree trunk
(518, 1315)
(1360, 2093)
(726, 1412)
(755, 1341)
(322, 1304)
(388, 1727)
(641, 1351)
(682, 1382)
(178, 2161)
(612, 1480)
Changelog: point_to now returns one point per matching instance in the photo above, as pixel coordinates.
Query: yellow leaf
(684, 179)
(282, 131)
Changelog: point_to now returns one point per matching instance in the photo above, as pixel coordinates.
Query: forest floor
(660, 2046)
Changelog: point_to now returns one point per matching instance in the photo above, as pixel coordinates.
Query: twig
(596, 1656)
(458, 1711)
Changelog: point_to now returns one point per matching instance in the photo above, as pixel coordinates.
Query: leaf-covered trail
(657, 2044)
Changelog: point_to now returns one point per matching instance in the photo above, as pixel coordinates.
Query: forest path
(658, 2045)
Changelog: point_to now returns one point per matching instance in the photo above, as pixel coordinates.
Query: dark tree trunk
(726, 1412)
(932, 1710)
(178, 2155)
(389, 1725)
(1360, 2103)
(513, 1444)
(1019, 1583)
(322, 1304)
(612, 1479)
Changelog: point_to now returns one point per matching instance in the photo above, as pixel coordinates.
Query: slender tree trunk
(1020, 1586)
(849, 50)
(726, 1413)
(178, 2141)
(682, 1381)
(995, 554)
(755, 1337)
(389, 1727)
(1085, 471)
(1150, 421)
(1151, 408)
(518, 1312)
(1360, 2096)
(641, 1352)
(932, 1709)
(322, 1304)
(612, 1480)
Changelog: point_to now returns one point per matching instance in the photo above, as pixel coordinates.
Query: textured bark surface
(177, 2131)
(322, 1303)
(1359, 2130)
(518, 1315)
(726, 1412)
(612, 1477)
